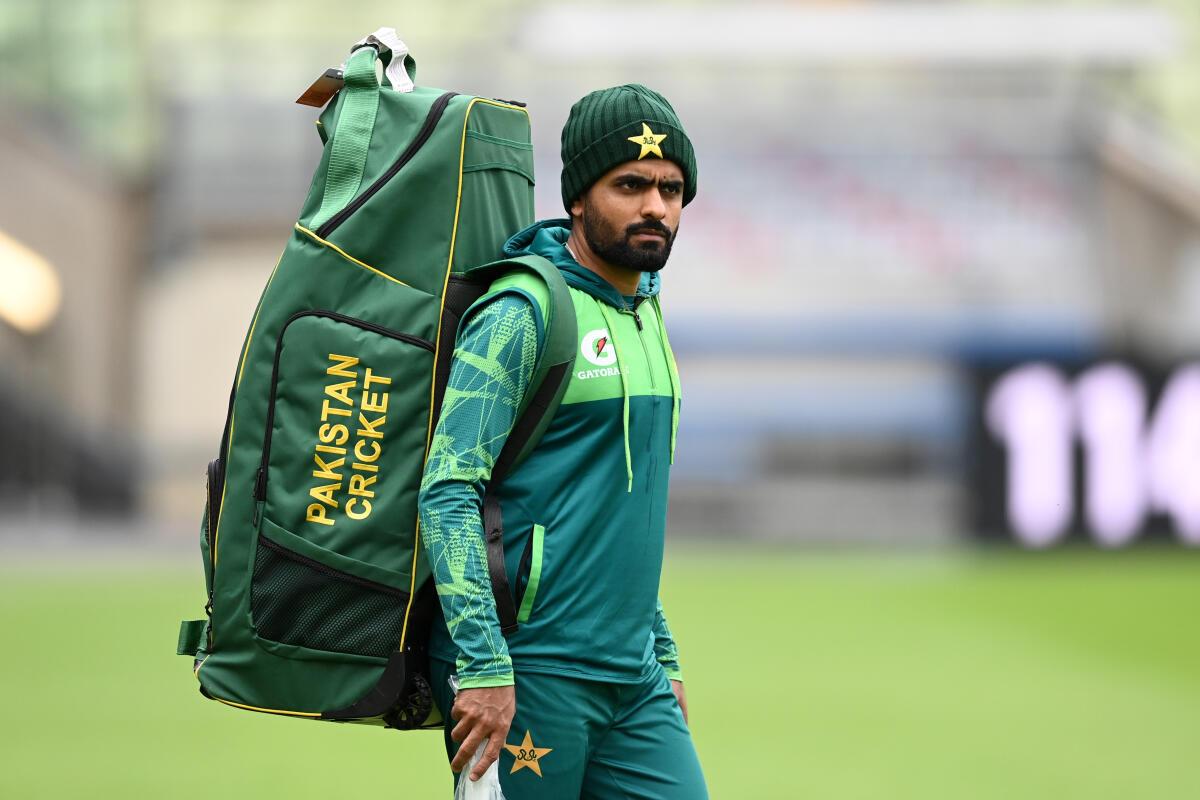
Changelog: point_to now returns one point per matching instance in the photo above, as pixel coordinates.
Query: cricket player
(586, 699)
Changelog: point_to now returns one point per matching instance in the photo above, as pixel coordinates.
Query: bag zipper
(214, 487)
(431, 121)
(215, 474)
(260, 480)
(216, 483)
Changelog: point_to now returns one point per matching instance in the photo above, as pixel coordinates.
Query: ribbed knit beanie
(622, 123)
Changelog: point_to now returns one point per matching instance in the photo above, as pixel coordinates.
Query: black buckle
(378, 47)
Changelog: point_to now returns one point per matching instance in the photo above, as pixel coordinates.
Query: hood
(548, 239)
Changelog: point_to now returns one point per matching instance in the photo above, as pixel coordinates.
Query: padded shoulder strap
(539, 278)
(537, 408)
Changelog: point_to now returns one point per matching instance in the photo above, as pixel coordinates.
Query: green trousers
(575, 738)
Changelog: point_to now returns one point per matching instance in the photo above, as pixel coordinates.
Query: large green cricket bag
(319, 598)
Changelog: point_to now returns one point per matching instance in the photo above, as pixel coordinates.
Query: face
(631, 214)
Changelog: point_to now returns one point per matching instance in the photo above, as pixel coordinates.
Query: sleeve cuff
(486, 681)
(673, 672)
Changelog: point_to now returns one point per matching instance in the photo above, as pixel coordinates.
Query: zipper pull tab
(260, 485)
(258, 504)
(637, 319)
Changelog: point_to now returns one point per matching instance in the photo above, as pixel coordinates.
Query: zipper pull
(258, 504)
(637, 319)
(260, 485)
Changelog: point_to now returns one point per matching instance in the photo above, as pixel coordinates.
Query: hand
(482, 714)
(681, 697)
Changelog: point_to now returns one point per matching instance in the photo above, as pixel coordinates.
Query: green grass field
(810, 675)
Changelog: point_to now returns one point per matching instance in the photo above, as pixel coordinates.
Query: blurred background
(937, 314)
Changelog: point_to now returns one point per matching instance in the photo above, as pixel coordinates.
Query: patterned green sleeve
(492, 366)
(665, 650)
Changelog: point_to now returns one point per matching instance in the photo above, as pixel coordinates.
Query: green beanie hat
(622, 123)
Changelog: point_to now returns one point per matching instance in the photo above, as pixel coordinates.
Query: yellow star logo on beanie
(649, 140)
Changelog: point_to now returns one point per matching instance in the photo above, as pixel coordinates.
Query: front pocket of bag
(345, 437)
(497, 183)
(306, 597)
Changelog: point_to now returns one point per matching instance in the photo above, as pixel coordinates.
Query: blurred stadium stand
(66, 393)
(878, 214)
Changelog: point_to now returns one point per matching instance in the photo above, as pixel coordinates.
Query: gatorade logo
(598, 348)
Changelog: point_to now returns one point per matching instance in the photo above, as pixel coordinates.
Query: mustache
(649, 227)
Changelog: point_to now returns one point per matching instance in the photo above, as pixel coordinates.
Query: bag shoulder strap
(541, 279)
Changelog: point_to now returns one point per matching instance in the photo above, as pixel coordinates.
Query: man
(586, 699)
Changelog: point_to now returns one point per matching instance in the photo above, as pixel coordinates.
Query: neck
(623, 279)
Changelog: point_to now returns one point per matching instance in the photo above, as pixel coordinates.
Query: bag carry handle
(401, 69)
(352, 137)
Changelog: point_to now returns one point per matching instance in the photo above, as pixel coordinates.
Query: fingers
(489, 757)
(461, 730)
(681, 698)
(467, 749)
(483, 715)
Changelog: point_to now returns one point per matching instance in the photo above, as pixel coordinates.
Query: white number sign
(1131, 466)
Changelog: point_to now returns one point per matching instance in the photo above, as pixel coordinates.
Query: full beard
(618, 249)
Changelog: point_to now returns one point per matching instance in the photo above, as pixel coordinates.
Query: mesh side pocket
(295, 600)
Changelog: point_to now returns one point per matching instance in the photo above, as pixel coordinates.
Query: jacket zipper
(431, 120)
(637, 319)
(260, 480)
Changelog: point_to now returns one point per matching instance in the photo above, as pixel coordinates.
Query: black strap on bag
(493, 532)
(461, 292)
(493, 521)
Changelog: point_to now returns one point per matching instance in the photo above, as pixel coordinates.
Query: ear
(577, 208)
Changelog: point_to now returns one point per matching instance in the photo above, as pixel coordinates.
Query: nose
(653, 205)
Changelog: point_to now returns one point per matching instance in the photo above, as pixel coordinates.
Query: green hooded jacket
(585, 513)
